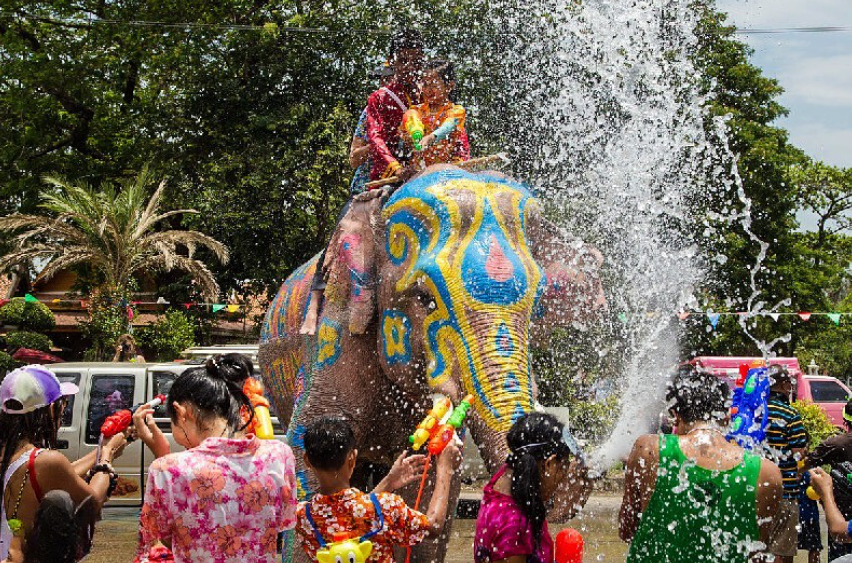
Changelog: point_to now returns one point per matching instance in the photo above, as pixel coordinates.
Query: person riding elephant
(435, 291)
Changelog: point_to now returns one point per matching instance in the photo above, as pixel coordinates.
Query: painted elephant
(433, 291)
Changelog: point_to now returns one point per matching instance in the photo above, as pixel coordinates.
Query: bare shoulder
(770, 475)
(646, 446)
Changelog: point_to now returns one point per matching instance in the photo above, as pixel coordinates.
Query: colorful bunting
(233, 308)
(30, 298)
(683, 315)
(218, 307)
(804, 315)
(835, 318)
(713, 318)
(775, 316)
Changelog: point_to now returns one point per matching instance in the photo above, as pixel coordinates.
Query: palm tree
(115, 233)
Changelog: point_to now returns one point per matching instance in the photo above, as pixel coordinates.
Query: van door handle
(62, 444)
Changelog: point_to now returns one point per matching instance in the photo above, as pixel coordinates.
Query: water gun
(841, 477)
(569, 546)
(262, 423)
(345, 549)
(160, 554)
(446, 432)
(431, 424)
(120, 420)
(413, 125)
(750, 407)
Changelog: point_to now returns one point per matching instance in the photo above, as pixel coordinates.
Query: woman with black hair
(32, 401)
(230, 495)
(512, 525)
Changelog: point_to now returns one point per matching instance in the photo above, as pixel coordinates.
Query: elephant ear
(350, 263)
(573, 291)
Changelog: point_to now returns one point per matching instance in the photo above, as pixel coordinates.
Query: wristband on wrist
(849, 528)
(107, 469)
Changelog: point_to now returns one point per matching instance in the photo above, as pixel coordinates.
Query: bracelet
(107, 469)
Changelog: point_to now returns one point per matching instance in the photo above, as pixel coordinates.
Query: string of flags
(713, 317)
(85, 304)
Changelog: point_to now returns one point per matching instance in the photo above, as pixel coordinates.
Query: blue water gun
(750, 407)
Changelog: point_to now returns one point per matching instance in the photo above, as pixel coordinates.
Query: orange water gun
(262, 420)
(413, 125)
(431, 424)
(445, 433)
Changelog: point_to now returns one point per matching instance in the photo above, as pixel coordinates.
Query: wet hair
(57, 530)
(328, 441)
(446, 71)
(533, 438)
(697, 396)
(39, 427)
(405, 39)
(215, 391)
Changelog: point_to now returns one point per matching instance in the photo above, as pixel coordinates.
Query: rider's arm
(383, 157)
(640, 478)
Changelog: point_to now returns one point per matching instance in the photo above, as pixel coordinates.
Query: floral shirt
(352, 511)
(223, 502)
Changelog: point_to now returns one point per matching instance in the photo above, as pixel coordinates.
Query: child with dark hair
(511, 525)
(445, 139)
(685, 492)
(229, 495)
(341, 510)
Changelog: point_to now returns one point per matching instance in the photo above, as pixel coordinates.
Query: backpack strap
(310, 518)
(32, 473)
(380, 516)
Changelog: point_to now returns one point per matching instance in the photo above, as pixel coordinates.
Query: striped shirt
(785, 433)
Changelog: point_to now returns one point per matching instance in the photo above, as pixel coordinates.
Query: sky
(815, 69)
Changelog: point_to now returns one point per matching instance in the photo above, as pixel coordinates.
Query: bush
(169, 336)
(27, 316)
(107, 321)
(26, 339)
(7, 364)
(817, 423)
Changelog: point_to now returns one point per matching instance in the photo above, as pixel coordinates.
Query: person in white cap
(32, 400)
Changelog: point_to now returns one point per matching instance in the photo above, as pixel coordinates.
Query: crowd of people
(690, 496)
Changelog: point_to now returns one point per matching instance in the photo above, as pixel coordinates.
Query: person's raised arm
(405, 470)
(838, 527)
(448, 461)
(55, 472)
(149, 432)
(359, 152)
(640, 477)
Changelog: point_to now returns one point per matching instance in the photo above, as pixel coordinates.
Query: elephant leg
(432, 549)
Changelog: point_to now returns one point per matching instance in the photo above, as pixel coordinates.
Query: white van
(108, 387)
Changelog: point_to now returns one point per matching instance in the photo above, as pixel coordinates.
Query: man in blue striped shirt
(786, 445)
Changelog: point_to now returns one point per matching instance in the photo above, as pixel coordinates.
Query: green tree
(169, 336)
(27, 315)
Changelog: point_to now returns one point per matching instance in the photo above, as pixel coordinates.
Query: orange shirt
(352, 511)
(456, 147)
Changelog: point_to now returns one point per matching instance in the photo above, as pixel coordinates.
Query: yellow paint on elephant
(328, 345)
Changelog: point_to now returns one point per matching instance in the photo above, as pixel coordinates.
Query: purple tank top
(502, 530)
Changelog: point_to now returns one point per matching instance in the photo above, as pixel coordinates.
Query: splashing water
(617, 144)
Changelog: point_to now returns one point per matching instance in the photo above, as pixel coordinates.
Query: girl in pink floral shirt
(229, 496)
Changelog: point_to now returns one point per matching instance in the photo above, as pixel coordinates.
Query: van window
(110, 393)
(68, 413)
(163, 381)
(828, 392)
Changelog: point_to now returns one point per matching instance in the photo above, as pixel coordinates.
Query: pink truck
(829, 393)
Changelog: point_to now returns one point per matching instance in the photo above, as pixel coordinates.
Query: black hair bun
(232, 368)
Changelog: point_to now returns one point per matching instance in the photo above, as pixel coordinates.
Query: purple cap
(33, 387)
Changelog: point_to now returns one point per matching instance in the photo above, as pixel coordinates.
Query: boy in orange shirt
(338, 508)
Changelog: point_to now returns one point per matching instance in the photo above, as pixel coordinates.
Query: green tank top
(696, 514)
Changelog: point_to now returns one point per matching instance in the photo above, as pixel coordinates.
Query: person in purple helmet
(32, 401)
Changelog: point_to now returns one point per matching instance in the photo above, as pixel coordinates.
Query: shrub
(105, 324)
(817, 423)
(7, 364)
(169, 336)
(26, 339)
(27, 315)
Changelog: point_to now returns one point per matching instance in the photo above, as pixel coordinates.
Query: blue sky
(815, 69)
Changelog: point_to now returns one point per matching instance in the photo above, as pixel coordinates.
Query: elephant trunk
(501, 383)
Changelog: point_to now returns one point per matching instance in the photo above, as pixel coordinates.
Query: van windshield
(828, 392)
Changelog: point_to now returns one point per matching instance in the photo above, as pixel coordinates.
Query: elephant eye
(352, 558)
(338, 559)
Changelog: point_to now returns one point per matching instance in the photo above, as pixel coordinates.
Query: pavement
(115, 540)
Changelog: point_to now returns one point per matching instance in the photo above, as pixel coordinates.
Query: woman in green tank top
(694, 497)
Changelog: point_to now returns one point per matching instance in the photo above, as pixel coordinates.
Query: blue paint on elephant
(504, 345)
(328, 343)
(296, 437)
(493, 272)
(512, 385)
(396, 337)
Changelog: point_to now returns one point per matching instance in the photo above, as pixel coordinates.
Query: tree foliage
(27, 339)
(169, 336)
(27, 315)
